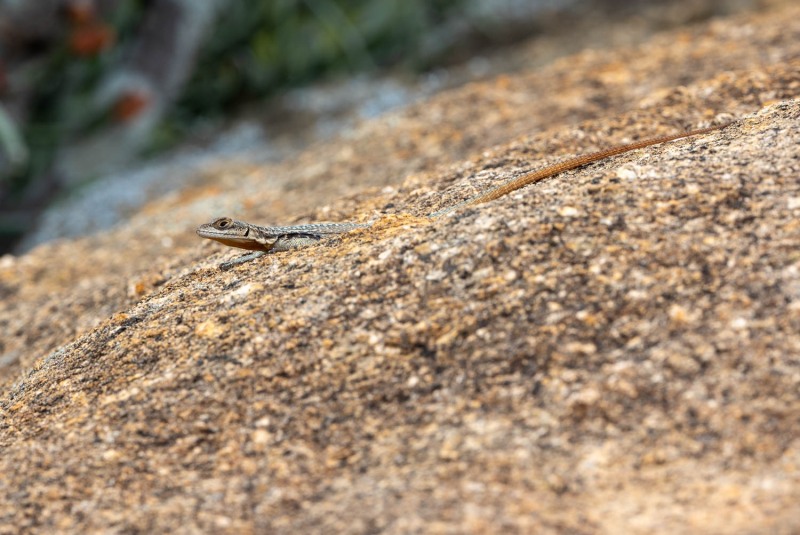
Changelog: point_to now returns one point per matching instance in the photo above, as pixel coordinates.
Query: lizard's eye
(223, 223)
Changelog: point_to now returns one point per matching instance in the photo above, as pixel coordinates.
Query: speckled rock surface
(613, 350)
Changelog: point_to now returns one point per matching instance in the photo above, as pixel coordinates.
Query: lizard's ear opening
(222, 223)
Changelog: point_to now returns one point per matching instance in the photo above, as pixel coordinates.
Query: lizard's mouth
(242, 242)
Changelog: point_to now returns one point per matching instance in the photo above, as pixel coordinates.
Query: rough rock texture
(613, 350)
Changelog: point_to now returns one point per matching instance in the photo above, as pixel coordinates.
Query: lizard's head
(231, 233)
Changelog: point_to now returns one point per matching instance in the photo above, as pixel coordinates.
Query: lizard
(262, 240)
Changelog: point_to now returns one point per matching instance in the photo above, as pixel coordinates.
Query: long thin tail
(566, 165)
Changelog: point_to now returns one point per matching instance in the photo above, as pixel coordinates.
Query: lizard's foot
(225, 266)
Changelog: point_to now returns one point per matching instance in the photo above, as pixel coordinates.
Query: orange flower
(129, 105)
(90, 39)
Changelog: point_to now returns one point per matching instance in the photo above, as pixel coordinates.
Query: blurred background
(102, 100)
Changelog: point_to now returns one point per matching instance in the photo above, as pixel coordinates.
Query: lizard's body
(264, 239)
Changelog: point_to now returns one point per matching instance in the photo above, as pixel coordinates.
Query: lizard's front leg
(225, 266)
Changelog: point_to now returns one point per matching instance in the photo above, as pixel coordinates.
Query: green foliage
(261, 46)
(61, 87)
(254, 48)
